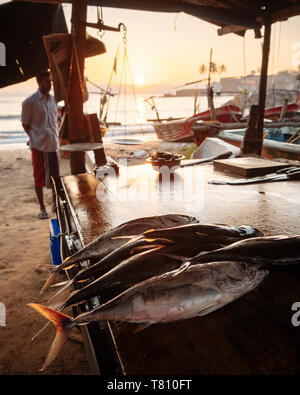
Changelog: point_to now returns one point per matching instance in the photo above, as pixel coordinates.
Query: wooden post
(263, 85)
(253, 139)
(210, 92)
(75, 100)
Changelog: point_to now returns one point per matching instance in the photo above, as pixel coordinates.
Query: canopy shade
(22, 27)
(245, 13)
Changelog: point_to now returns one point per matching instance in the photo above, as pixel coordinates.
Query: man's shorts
(45, 165)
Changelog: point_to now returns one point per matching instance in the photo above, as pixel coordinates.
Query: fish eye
(243, 265)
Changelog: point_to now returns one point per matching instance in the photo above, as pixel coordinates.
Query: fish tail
(59, 308)
(63, 329)
(56, 270)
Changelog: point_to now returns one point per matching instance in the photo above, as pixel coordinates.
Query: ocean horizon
(130, 110)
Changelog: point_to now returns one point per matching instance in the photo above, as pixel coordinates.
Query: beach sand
(24, 266)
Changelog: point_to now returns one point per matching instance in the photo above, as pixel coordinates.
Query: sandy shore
(24, 260)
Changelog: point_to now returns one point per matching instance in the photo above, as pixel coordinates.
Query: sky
(169, 48)
(166, 50)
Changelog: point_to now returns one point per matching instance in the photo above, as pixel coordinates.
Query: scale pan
(127, 141)
(81, 147)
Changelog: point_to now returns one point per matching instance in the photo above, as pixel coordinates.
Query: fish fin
(62, 289)
(49, 267)
(200, 234)
(125, 237)
(182, 268)
(55, 271)
(60, 284)
(83, 280)
(49, 281)
(148, 231)
(61, 266)
(141, 327)
(69, 267)
(207, 309)
(177, 257)
(60, 320)
(149, 248)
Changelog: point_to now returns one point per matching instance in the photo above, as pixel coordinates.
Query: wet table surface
(253, 335)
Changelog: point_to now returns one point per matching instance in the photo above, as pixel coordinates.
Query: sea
(131, 115)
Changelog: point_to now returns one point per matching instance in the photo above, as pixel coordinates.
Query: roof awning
(22, 26)
(246, 13)
(25, 54)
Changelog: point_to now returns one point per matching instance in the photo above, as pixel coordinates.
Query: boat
(292, 112)
(271, 148)
(180, 130)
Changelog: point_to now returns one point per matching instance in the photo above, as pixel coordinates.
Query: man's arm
(26, 115)
(26, 127)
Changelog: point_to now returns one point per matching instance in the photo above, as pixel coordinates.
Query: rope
(278, 54)
(244, 66)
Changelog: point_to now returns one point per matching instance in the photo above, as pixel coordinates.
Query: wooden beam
(285, 13)
(263, 85)
(75, 99)
(231, 29)
(47, 1)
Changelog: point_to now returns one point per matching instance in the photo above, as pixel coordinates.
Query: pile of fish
(166, 268)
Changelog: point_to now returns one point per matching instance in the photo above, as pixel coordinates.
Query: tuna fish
(108, 241)
(186, 239)
(276, 250)
(188, 292)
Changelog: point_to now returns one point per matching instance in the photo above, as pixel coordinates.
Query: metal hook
(121, 25)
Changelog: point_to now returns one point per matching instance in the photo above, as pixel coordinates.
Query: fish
(213, 230)
(277, 250)
(107, 242)
(208, 234)
(188, 241)
(118, 255)
(192, 238)
(188, 292)
(136, 267)
(111, 260)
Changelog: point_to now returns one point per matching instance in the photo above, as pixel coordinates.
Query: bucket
(54, 242)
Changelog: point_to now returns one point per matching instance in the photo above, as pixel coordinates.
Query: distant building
(283, 80)
(191, 92)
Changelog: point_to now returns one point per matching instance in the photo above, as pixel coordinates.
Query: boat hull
(292, 112)
(180, 130)
(271, 149)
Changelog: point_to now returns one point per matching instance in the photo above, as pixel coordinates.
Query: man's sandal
(43, 214)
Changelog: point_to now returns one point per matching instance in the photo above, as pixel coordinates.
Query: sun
(139, 79)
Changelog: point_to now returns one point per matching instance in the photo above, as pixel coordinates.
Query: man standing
(39, 120)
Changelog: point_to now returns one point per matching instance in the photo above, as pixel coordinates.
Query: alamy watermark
(2, 54)
(160, 185)
(296, 315)
(2, 314)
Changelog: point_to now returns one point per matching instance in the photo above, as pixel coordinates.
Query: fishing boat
(180, 130)
(271, 148)
(292, 112)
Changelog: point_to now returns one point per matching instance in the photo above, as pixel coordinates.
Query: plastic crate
(54, 242)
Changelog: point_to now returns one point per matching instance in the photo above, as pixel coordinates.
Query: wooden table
(253, 335)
